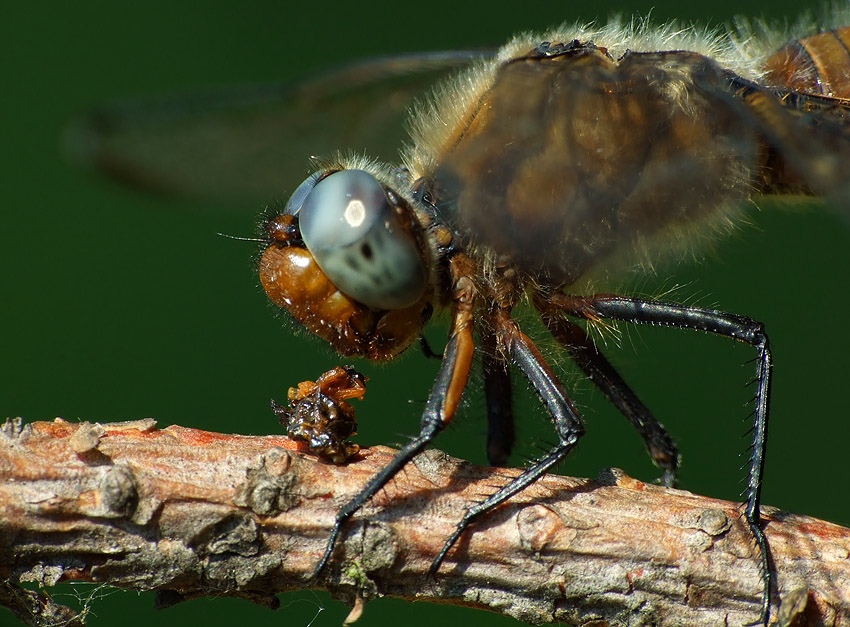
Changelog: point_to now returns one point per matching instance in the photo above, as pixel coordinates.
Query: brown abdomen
(818, 65)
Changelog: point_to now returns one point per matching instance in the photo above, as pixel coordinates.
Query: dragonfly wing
(252, 144)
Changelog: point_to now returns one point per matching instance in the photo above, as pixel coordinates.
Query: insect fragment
(320, 415)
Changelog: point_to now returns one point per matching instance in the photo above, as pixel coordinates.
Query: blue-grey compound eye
(293, 206)
(354, 234)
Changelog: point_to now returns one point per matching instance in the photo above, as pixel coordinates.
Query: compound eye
(301, 192)
(356, 236)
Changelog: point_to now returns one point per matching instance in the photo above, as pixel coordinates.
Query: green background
(118, 306)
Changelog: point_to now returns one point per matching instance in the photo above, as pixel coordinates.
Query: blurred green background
(118, 306)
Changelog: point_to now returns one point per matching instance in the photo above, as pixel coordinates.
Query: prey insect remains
(320, 415)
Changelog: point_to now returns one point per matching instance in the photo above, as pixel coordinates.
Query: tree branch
(190, 513)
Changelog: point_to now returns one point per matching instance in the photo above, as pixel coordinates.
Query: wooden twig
(190, 513)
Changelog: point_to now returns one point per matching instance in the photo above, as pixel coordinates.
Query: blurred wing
(573, 160)
(811, 137)
(808, 119)
(252, 144)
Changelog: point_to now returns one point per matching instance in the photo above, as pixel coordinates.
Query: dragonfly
(541, 169)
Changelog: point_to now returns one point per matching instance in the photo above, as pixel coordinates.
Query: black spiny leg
(568, 424)
(733, 326)
(442, 401)
(587, 356)
(497, 390)
(433, 422)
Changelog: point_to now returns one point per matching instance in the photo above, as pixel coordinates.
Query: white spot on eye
(301, 262)
(355, 213)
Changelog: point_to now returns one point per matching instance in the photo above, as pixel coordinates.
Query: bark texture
(190, 513)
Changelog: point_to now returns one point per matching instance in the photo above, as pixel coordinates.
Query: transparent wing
(252, 144)
(811, 137)
(808, 118)
(574, 162)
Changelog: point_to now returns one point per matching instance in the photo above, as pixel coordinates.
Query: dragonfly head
(348, 260)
